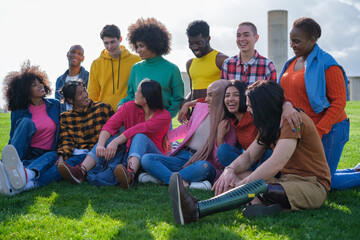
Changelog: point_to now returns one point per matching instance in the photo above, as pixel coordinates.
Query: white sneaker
(357, 168)
(145, 178)
(5, 186)
(202, 185)
(13, 166)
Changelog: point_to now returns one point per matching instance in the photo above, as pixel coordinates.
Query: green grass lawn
(63, 211)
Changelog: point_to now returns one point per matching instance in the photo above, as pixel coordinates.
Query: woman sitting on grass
(34, 121)
(242, 121)
(79, 131)
(146, 123)
(195, 158)
(304, 179)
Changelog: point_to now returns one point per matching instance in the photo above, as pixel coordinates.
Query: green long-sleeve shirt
(164, 72)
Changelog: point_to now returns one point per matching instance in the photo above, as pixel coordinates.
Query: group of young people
(274, 144)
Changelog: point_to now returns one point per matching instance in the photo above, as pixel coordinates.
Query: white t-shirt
(70, 78)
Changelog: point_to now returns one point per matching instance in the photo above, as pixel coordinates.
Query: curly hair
(17, 85)
(152, 33)
(309, 25)
(198, 27)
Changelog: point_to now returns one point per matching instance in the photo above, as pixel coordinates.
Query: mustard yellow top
(203, 71)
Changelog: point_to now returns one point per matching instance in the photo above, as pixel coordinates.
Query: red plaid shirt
(258, 68)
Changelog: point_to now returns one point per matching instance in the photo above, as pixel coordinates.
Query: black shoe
(185, 206)
(256, 210)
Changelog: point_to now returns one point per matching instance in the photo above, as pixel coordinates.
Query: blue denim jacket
(52, 109)
(83, 74)
(316, 64)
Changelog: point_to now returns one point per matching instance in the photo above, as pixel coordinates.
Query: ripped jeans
(161, 167)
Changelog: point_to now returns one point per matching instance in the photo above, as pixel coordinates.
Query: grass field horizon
(65, 211)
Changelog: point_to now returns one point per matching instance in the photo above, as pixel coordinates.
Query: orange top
(293, 83)
(246, 131)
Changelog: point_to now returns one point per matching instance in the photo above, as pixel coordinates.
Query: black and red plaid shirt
(258, 68)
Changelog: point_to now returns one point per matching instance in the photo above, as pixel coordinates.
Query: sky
(43, 30)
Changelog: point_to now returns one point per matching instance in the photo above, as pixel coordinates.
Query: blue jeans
(21, 140)
(334, 143)
(227, 154)
(48, 172)
(92, 152)
(345, 178)
(142, 144)
(43, 163)
(103, 173)
(161, 167)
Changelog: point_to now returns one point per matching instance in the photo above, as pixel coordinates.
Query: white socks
(30, 174)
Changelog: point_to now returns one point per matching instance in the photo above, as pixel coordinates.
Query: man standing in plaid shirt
(249, 66)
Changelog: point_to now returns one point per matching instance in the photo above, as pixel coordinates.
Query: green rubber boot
(232, 199)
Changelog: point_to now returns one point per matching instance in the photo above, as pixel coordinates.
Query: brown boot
(185, 206)
(124, 176)
(276, 194)
(74, 175)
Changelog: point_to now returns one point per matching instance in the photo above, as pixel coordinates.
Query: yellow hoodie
(103, 81)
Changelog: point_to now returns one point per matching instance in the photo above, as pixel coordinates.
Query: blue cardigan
(316, 64)
(53, 111)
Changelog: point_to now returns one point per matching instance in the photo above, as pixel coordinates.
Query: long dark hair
(17, 85)
(241, 87)
(151, 90)
(266, 98)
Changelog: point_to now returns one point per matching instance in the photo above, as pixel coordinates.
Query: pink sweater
(187, 130)
(133, 118)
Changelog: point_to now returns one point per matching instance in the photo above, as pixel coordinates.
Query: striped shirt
(258, 68)
(81, 129)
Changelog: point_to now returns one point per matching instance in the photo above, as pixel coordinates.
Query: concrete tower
(278, 38)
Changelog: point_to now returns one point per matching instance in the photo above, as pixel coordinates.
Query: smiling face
(37, 89)
(81, 98)
(112, 45)
(232, 99)
(75, 55)
(246, 39)
(143, 51)
(209, 95)
(199, 45)
(301, 42)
